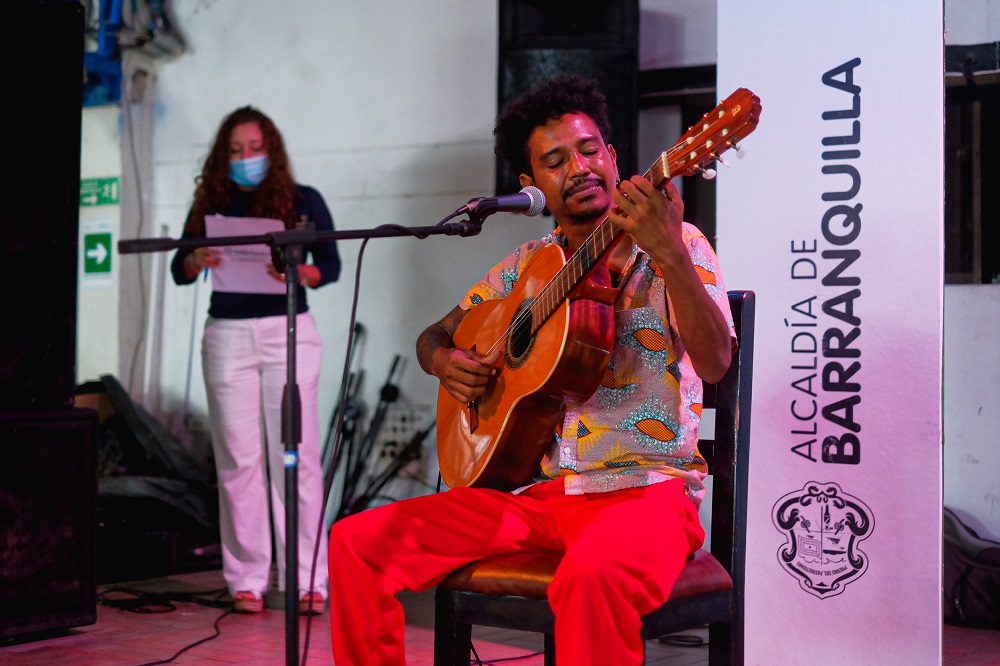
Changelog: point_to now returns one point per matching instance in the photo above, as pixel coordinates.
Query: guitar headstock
(718, 131)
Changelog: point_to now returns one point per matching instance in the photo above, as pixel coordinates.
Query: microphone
(529, 201)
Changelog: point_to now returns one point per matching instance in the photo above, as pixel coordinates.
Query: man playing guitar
(620, 475)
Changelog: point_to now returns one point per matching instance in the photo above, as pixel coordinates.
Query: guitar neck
(717, 131)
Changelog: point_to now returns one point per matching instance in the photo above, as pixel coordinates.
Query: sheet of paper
(244, 267)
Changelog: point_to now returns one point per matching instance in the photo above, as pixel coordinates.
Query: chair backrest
(728, 453)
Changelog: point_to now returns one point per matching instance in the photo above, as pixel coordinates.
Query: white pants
(244, 363)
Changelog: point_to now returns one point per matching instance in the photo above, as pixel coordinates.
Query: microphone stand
(289, 246)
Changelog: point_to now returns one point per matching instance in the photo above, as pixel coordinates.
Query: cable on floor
(218, 632)
(143, 602)
(140, 601)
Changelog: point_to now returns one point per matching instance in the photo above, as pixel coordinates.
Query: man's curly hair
(566, 93)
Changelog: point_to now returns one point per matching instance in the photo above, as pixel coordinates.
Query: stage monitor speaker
(48, 515)
(39, 218)
(596, 39)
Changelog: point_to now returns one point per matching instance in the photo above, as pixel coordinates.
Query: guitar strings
(519, 326)
(527, 322)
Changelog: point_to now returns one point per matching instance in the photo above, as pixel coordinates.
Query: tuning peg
(740, 152)
(718, 158)
(707, 174)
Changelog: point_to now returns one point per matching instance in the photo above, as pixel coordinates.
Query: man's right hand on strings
(463, 372)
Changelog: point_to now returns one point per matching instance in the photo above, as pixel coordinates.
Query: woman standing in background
(247, 174)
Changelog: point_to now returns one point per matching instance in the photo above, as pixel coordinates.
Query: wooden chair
(509, 591)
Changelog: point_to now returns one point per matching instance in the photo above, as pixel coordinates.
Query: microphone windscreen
(537, 200)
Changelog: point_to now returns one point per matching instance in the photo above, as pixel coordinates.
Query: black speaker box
(40, 216)
(596, 39)
(48, 500)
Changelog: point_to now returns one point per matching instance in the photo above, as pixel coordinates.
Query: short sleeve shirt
(641, 425)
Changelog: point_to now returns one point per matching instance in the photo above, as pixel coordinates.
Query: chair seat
(529, 574)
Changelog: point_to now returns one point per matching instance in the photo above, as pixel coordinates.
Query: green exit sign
(100, 191)
(96, 253)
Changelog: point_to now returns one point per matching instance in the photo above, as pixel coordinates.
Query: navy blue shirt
(229, 305)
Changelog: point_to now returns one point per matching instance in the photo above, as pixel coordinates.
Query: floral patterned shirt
(641, 425)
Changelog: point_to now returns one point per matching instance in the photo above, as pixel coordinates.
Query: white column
(835, 219)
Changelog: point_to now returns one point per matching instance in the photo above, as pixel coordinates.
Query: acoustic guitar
(556, 330)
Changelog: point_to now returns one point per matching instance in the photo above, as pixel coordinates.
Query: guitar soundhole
(520, 339)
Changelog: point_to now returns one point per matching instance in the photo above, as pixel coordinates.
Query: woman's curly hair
(274, 197)
(566, 93)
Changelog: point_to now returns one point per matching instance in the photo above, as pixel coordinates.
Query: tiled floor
(121, 637)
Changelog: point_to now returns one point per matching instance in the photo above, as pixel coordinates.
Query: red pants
(623, 552)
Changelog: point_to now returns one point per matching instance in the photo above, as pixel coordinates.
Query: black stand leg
(291, 435)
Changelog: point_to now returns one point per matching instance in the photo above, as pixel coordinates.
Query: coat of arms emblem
(823, 527)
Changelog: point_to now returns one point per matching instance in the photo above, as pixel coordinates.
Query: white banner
(835, 219)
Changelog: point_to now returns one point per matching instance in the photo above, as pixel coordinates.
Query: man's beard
(597, 211)
(591, 210)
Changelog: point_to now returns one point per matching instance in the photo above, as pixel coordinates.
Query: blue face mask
(249, 172)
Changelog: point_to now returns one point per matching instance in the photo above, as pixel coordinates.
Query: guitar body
(499, 440)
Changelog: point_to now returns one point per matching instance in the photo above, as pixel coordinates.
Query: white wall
(971, 21)
(971, 407)
(676, 33)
